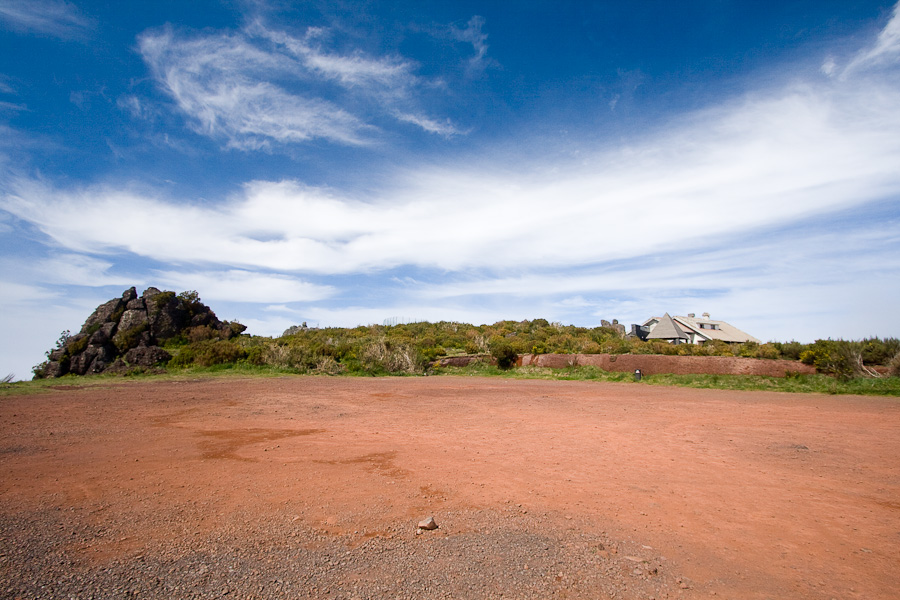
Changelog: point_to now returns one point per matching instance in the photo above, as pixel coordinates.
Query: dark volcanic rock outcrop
(127, 332)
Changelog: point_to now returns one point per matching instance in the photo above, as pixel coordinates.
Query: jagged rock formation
(295, 329)
(620, 329)
(127, 332)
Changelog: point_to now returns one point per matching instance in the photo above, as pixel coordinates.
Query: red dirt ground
(744, 494)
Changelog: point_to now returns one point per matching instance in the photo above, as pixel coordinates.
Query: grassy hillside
(412, 348)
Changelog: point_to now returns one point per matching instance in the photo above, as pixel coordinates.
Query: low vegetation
(413, 348)
(866, 366)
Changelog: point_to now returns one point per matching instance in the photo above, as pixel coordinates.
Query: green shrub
(835, 357)
(125, 340)
(189, 297)
(76, 344)
(201, 333)
(208, 353)
(255, 355)
(876, 351)
(749, 350)
(894, 366)
(384, 356)
(502, 350)
(433, 353)
(39, 371)
(768, 351)
(790, 350)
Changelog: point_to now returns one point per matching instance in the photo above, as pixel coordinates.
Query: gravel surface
(473, 554)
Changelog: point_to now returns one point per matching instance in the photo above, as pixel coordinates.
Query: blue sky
(344, 163)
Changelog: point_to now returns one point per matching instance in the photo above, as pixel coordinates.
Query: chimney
(705, 315)
(692, 315)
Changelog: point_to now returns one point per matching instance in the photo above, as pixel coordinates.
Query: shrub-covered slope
(177, 330)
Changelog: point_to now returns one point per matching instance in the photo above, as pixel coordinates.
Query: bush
(429, 355)
(159, 301)
(39, 371)
(255, 355)
(749, 350)
(125, 340)
(384, 356)
(208, 353)
(768, 351)
(894, 366)
(201, 333)
(790, 350)
(840, 358)
(504, 352)
(77, 343)
(880, 352)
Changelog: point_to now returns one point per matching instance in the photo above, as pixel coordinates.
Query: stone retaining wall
(652, 364)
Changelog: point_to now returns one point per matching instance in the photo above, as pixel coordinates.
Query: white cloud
(222, 83)
(759, 162)
(280, 308)
(792, 258)
(403, 311)
(245, 286)
(261, 86)
(56, 18)
(31, 318)
(472, 34)
(9, 106)
(75, 269)
(391, 74)
(886, 48)
(444, 128)
(271, 326)
(12, 292)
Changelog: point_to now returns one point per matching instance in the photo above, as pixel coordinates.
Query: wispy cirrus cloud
(223, 83)
(5, 88)
(758, 162)
(74, 269)
(245, 286)
(260, 86)
(50, 17)
(445, 128)
(885, 50)
(472, 34)
(389, 74)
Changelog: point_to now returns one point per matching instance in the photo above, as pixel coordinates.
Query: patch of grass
(809, 384)
(583, 373)
(812, 384)
(241, 369)
(43, 386)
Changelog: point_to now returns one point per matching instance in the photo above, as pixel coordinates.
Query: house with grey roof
(690, 330)
(666, 329)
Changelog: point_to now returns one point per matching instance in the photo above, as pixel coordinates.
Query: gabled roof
(666, 329)
(723, 331)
